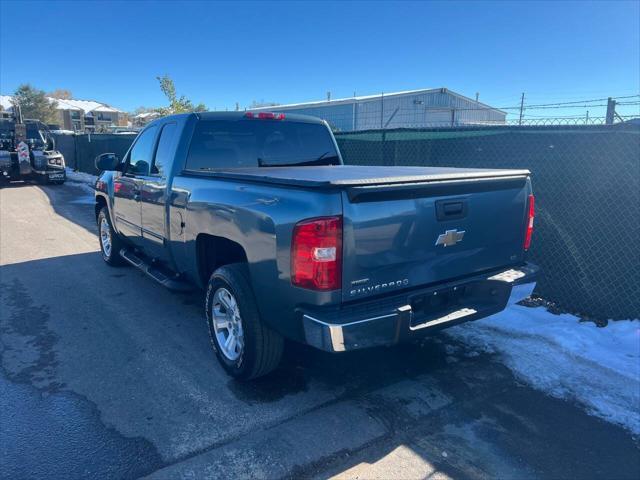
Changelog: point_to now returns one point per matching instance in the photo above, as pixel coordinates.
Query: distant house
(142, 119)
(85, 116)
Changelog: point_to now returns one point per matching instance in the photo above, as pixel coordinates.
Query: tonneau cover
(352, 175)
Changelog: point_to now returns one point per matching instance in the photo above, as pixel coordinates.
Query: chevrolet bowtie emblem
(449, 238)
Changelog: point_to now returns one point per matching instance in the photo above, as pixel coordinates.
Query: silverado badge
(450, 238)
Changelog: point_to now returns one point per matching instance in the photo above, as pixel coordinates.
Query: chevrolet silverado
(258, 210)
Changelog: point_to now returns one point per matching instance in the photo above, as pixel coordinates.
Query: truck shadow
(353, 372)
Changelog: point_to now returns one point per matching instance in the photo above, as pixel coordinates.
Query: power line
(556, 105)
(580, 101)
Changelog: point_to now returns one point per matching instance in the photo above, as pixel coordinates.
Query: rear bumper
(417, 313)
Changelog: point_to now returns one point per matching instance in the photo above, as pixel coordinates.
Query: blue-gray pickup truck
(258, 209)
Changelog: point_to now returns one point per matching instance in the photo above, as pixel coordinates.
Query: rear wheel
(246, 348)
(110, 242)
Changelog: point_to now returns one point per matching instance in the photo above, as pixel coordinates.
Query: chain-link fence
(587, 185)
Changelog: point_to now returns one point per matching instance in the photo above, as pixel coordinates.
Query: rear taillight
(316, 254)
(530, 214)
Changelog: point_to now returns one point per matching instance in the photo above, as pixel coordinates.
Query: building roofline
(349, 100)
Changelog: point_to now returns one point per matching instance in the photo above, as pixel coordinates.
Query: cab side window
(141, 153)
(165, 151)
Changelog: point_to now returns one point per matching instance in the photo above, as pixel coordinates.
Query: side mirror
(107, 162)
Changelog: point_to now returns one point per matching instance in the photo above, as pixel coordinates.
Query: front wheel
(110, 243)
(246, 348)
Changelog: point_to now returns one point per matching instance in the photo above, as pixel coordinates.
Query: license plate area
(449, 304)
(56, 176)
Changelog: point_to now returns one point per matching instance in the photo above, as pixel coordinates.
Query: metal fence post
(611, 110)
(521, 108)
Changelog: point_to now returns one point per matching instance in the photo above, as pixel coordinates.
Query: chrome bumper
(338, 332)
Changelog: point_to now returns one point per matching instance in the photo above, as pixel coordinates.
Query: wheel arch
(101, 202)
(213, 252)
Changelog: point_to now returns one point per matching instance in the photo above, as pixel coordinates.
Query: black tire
(42, 180)
(263, 347)
(112, 255)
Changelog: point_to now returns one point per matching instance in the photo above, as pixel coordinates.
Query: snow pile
(597, 367)
(87, 180)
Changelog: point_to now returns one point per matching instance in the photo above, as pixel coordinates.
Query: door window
(164, 153)
(140, 156)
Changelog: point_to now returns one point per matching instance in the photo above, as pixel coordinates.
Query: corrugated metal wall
(415, 110)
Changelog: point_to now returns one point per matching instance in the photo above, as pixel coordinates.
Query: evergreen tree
(34, 104)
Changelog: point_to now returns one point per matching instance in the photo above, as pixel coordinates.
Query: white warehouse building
(433, 107)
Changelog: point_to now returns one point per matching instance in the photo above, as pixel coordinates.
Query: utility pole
(586, 121)
(521, 108)
(381, 109)
(611, 111)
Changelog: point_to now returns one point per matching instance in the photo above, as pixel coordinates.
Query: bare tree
(61, 93)
(176, 105)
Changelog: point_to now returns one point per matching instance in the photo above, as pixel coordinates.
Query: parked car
(258, 210)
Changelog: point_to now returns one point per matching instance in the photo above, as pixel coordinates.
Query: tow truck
(27, 151)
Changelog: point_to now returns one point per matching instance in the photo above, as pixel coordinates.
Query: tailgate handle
(451, 210)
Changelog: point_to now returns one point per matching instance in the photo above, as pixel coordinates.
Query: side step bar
(172, 283)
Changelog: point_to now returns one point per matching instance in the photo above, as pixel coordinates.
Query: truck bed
(340, 176)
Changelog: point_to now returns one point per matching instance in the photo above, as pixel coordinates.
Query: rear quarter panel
(261, 219)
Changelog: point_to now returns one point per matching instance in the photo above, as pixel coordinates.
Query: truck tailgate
(401, 236)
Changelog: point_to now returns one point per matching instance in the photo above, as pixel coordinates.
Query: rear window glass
(252, 143)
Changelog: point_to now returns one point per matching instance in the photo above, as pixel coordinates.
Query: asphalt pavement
(105, 374)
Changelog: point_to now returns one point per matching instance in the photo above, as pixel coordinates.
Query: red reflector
(316, 254)
(530, 215)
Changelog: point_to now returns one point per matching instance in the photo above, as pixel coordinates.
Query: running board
(172, 283)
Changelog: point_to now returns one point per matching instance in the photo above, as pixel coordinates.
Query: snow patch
(569, 359)
(86, 180)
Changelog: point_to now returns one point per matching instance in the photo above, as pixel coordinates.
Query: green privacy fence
(80, 151)
(587, 185)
